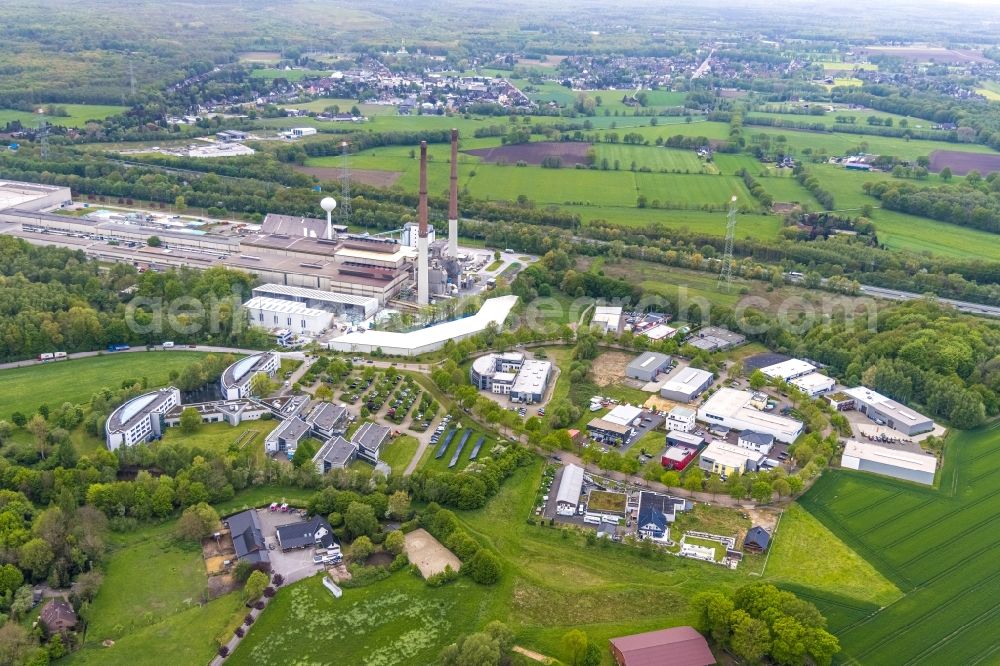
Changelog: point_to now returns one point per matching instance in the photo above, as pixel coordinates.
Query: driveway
(294, 565)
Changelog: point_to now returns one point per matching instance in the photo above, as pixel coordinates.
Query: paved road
(899, 295)
(141, 349)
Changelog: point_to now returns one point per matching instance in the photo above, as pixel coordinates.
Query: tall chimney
(453, 200)
(423, 281)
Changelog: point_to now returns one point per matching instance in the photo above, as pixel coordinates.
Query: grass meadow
(78, 116)
(24, 389)
(937, 545)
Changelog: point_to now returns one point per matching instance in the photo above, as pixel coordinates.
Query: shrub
(269, 591)
(259, 605)
(239, 632)
(484, 567)
(248, 620)
(278, 580)
(223, 651)
(449, 575)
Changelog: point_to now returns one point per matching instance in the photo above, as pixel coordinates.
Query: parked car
(318, 559)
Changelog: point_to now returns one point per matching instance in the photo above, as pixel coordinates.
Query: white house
(756, 441)
(681, 418)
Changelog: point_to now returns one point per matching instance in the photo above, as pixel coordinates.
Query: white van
(168, 345)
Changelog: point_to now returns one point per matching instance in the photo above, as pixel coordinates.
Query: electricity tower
(726, 274)
(42, 135)
(345, 186)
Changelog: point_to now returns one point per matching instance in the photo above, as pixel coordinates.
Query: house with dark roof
(58, 617)
(312, 533)
(757, 540)
(656, 512)
(760, 442)
(369, 439)
(286, 437)
(677, 646)
(248, 538)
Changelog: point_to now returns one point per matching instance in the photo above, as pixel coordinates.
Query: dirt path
(531, 654)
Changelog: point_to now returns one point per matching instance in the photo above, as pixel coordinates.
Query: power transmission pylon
(43, 139)
(726, 274)
(131, 79)
(345, 186)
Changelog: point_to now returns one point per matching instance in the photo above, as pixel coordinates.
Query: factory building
(273, 313)
(888, 412)
(421, 341)
(897, 463)
(511, 374)
(687, 384)
(351, 307)
(730, 408)
(647, 366)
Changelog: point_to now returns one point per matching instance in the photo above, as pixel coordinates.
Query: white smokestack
(453, 199)
(423, 281)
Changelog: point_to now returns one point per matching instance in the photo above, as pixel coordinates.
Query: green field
(829, 118)
(900, 230)
(731, 163)
(78, 116)
(653, 157)
(395, 621)
(749, 225)
(788, 190)
(838, 571)
(398, 453)
(841, 143)
(24, 389)
(938, 545)
(218, 437)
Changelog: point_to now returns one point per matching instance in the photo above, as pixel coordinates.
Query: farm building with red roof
(678, 646)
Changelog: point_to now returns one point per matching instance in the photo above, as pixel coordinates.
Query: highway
(962, 306)
(898, 295)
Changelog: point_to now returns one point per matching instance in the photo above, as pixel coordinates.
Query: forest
(54, 299)
(975, 202)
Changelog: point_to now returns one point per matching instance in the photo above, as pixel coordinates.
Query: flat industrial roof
(608, 426)
(687, 380)
(730, 455)
(494, 311)
(532, 376)
(732, 403)
(918, 462)
(284, 307)
(623, 414)
(649, 360)
(888, 406)
(812, 381)
(315, 295)
(791, 368)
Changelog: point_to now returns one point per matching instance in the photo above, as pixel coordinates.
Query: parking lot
(294, 565)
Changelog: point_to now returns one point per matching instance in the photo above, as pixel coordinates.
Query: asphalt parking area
(293, 565)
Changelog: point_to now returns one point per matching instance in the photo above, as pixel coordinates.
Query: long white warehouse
(731, 408)
(414, 343)
(908, 465)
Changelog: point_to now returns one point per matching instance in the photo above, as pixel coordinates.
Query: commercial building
(286, 437)
(336, 453)
(494, 311)
(687, 384)
(678, 646)
(688, 439)
(814, 384)
(248, 538)
(681, 419)
(605, 431)
(879, 408)
(647, 366)
(713, 338)
(679, 457)
(272, 313)
(730, 408)
(141, 419)
(294, 225)
(897, 463)
(369, 439)
(758, 442)
(570, 487)
(788, 370)
(327, 419)
(237, 378)
(726, 459)
(350, 306)
(608, 319)
(530, 382)
(233, 412)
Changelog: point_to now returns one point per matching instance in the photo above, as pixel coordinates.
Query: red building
(678, 457)
(678, 646)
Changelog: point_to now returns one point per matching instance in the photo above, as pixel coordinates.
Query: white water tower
(328, 204)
